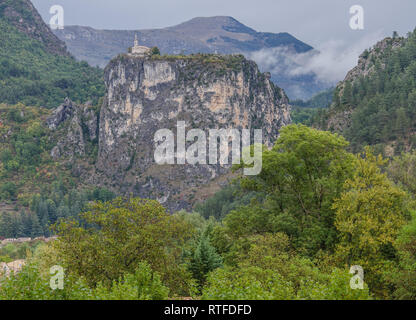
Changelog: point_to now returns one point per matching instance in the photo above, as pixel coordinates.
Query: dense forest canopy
(293, 232)
(38, 189)
(29, 74)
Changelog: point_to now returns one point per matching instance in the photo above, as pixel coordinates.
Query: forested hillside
(35, 68)
(35, 191)
(292, 232)
(376, 104)
(304, 111)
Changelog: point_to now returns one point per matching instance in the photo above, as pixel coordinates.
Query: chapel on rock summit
(137, 49)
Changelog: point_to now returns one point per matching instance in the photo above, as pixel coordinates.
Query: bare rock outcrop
(206, 91)
(145, 94)
(76, 125)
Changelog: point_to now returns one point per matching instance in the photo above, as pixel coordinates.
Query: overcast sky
(312, 21)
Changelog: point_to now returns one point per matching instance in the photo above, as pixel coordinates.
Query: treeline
(320, 100)
(304, 111)
(45, 211)
(314, 211)
(38, 190)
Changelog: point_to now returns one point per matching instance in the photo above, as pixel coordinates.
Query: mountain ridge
(35, 67)
(198, 35)
(218, 34)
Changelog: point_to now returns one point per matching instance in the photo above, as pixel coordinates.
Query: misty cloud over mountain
(324, 67)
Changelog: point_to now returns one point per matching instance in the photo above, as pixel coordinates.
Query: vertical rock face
(206, 91)
(76, 125)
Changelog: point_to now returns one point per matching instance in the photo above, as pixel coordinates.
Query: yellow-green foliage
(124, 233)
(320, 211)
(369, 215)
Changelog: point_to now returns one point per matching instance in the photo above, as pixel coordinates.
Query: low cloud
(328, 64)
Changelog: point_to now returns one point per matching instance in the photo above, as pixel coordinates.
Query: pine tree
(347, 93)
(51, 210)
(402, 122)
(62, 211)
(42, 209)
(204, 259)
(6, 227)
(18, 225)
(27, 224)
(45, 223)
(36, 228)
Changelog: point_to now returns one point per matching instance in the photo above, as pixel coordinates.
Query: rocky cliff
(148, 94)
(78, 130)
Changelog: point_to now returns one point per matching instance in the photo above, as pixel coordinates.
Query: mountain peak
(215, 22)
(204, 26)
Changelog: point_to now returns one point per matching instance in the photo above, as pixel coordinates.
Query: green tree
(155, 51)
(250, 283)
(402, 275)
(301, 176)
(29, 284)
(120, 234)
(402, 122)
(347, 94)
(275, 252)
(204, 259)
(369, 215)
(6, 225)
(36, 229)
(141, 285)
(335, 287)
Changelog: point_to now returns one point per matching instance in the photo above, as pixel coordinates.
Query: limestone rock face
(76, 125)
(206, 91)
(61, 114)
